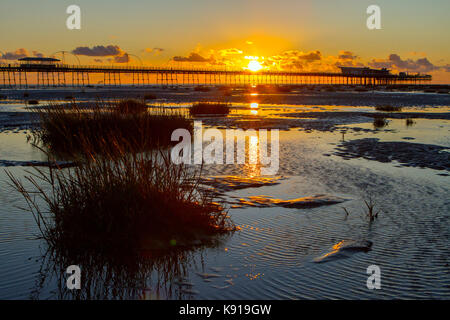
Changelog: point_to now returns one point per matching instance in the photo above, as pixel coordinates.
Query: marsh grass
(204, 108)
(388, 108)
(74, 129)
(124, 192)
(136, 201)
(380, 122)
(409, 122)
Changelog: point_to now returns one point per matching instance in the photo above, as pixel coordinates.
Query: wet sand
(295, 241)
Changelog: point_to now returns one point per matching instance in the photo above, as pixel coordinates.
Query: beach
(303, 232)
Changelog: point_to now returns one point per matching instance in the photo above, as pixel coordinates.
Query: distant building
(30, 62)
(364, 71)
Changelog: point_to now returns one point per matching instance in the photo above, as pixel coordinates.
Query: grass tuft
(380, 122)
(84, 130)
(137, 201)
(388, 108)
(202, 108)
(409, 122)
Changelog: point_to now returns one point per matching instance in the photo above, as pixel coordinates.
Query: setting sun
(254, 66)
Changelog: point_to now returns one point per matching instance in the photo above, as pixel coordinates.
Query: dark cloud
(38, 54)
(125, 58)
(14, 55)
(193, 57)
(98, 51)
(346, 55)
(394, 61)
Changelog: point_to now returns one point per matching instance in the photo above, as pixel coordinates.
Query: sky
(303, 35)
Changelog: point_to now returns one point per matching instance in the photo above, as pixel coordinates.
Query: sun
(254, 66)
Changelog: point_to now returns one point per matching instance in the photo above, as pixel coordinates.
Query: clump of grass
(371, 212)
(33, 102)
(72, 130)
(136, 201)
(380, 122)
(149, 96)
(131, 106)
(388, 108)
(202, 89)
(409, 122)
(202, 108)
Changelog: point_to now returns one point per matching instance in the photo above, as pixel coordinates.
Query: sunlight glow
(254, 66)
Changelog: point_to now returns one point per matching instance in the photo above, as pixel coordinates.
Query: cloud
(192, 57)
(394, 61)
(230, 51)
(346, 55)
(99, 51)
(155, 51)
(38, 54)
(294, 60)
(14, 55)
(125, 58)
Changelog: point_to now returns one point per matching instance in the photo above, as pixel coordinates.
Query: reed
(74, 129)
(137, 201)
(206, 108)
(388, 108)
(380, 122)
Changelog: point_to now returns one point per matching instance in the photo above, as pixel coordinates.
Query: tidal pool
(280, 251)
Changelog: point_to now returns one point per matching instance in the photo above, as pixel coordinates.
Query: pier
(46, 72)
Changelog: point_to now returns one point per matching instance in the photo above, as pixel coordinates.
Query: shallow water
(275, 254)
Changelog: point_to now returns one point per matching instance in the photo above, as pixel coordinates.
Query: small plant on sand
(76, 130)
(133, 202)
(409, 122)
(202, 108)
(370, 203)
(370, 210)
(380, 122)
(388, 108)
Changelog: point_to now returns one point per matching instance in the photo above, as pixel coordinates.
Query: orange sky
(290, 35)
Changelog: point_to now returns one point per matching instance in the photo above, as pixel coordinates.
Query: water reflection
(157, 274)
(252, 167)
